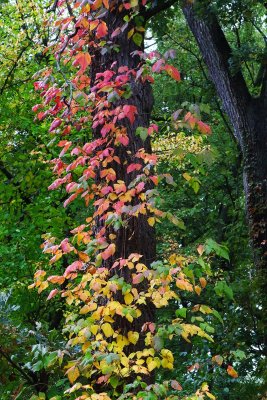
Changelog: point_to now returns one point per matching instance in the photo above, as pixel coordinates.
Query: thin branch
(157, 9)
(54, 7)
(17, 367)
(69, 9)
(260, 31)
(5, 171)
(12, 69)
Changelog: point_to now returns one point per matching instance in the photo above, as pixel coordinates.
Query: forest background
(205, 200)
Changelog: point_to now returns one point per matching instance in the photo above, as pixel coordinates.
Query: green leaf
(223, 290)
(142, 132)
(181, 312)
(138, 39)
(114, 381)
(220, 250)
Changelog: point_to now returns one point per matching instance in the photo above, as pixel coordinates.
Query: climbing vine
(99, 100)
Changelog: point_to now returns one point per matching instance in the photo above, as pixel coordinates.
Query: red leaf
(123, 139)
(116, 33)
(101, 30)
(110, 250)
(36, 107)
(173, 72)
(137, 278)
(152, 327)
(204, 128)
(55, 124)
(158, 66)
(52, 294)
(133, 167)
(130, 112)
(76, 265)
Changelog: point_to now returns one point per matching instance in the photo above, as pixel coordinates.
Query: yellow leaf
(152, 363)
(112, 196)
(129, 317)
(108, 319)
(94, 329)
(167, 354)
(130, 33)
(43, 286)
(125, 361)
(73, 373)
(85, 309)
(151, 221)
(141, 267)
(205, 309)
(122, 341)
(128, 298)
(166, 364)
(107, 329)
(187, 177)
(198, 290)
(133, 337)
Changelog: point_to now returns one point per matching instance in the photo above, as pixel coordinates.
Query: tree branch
(53, 8)
(14, 66)
(154, 10)
(5, 171)
(17, 367)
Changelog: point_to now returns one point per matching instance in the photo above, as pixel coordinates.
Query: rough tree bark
(137, 236)
(249, 120)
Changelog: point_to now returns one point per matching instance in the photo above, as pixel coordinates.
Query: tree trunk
(248, 118)
(137, 236)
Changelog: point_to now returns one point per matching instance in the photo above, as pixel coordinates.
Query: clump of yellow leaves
(107, 310)
(177, 145)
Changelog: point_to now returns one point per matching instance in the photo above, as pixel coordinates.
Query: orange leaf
(83, 60)
(56, 279)
(173, 72)
(83, 256)
(198, 290)
(232, 372)
(203, 282)
(96, 4)
(176, 385)
(200, 249)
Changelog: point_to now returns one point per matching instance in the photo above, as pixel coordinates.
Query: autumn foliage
(111, 291)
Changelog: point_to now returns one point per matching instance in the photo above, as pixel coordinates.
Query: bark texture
(248, 118)
(138, 236)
